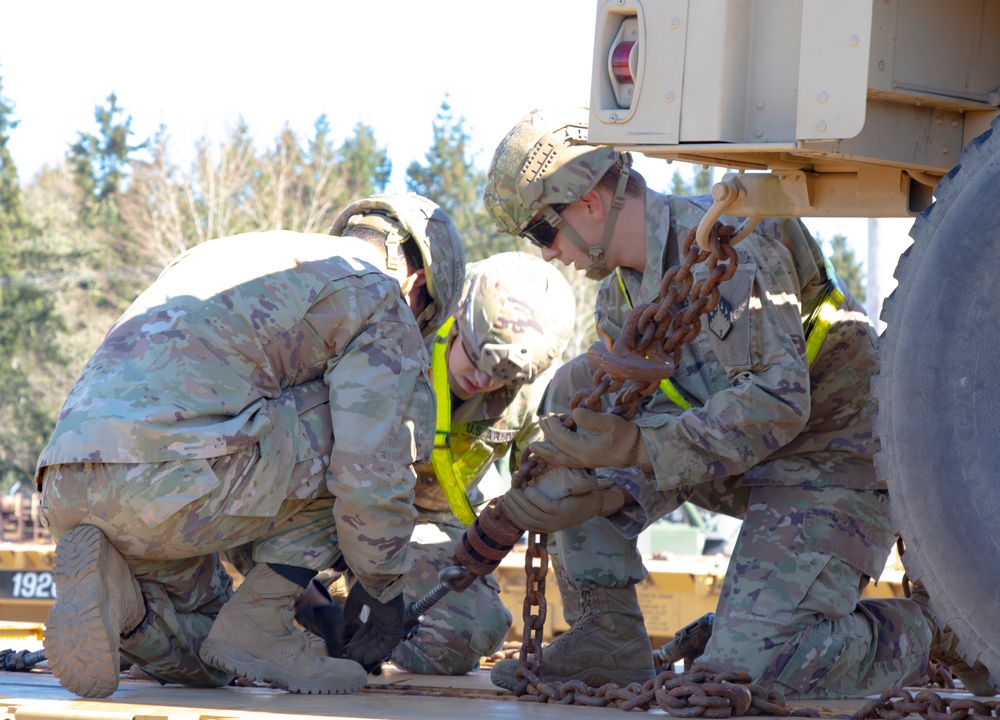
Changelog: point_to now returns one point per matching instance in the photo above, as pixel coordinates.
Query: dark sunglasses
(540, 232)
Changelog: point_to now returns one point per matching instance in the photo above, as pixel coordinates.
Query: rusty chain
(896, 703)
(530, 654)
(652, 338)
(711, 691)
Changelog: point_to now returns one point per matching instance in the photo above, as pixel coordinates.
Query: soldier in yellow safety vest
(490, 364)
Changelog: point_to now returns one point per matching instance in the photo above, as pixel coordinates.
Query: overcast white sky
(196, 67)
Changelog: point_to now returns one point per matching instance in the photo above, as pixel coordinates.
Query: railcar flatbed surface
(38, 695)
(392, 696)
(677, 591)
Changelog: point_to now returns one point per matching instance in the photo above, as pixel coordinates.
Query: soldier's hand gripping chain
(382, 631)
(561, 498)
(600, 440)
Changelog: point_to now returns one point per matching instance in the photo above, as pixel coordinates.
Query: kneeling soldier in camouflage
(268, 388)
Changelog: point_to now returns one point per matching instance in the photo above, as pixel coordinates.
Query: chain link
(536, 566)
(712, 691)
(649, 346)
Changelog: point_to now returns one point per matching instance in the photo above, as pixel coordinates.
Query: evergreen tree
(100, 163)
(848, 266)
(11, 211)
(364, 164)
(27, 326)
(450, 179)
(677, 184)
(701, 182)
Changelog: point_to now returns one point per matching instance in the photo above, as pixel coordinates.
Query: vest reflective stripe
(442, 459)
(825, 313)
(666, 387)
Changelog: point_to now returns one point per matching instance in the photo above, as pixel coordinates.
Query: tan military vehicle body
(865, 108)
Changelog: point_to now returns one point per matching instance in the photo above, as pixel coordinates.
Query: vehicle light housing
(623, 62)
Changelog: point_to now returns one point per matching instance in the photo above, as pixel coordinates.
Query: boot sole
(233, 660)
(81, 648)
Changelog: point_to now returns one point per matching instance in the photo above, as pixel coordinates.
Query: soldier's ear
(414, 292)
(414, 281)
(597, 208)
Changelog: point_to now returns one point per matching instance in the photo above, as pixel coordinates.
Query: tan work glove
(561, 498)
(600, 440)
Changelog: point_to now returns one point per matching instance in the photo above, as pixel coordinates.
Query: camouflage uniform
(785, 446)
(513, 303)
(279, 400)
(465, 626)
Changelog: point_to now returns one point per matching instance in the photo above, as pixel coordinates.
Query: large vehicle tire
(939, 401)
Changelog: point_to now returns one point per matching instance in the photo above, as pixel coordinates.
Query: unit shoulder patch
(729, 323)
(720, 320)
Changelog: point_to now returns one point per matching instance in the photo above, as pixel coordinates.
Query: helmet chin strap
(597, 269)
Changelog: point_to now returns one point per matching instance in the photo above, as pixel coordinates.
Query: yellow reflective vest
(454, 474)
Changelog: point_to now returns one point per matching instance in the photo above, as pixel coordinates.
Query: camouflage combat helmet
(545, 161)
(410, 216)
(516, 316)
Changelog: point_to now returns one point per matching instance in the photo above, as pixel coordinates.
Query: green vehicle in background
(689, 530)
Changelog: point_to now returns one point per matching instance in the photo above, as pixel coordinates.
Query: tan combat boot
(944, 649)
(254, 636)
(607, 644)
(97, 600)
